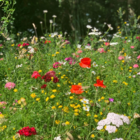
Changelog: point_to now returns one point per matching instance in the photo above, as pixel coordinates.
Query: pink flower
(107, 43)
(138, 57)
(68, 58)
(10, 85)
(132, 47)
(36, 74)
(56, 65)
(135, 66)
(77, 56)
(79, 51)
(101, 50)
(1, 59)
(121, 57)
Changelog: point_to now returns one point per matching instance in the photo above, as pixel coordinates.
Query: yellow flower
(58, 85)
(37, 99)
(116, 130)
(88, 114)
(99, 100)
(96, 120)
(130, 70)
(54, 90)
(13, 45)
(13, 128)
(18, 34)
(118, 27)
(76, 114)
(129, 77)
(14, 138)
(60, 106)
(79, 84)
(108, 50)
(101, 113)
(52, 96)
(98, 77)
(95, 116)
(102, 98)
(125, 83)
(76, 110)
(49, 35)
(42, 91)
(33, 95)
(130, 67)
(53, 55)
(120, 32)
(71, 97)
(105, 62)
(40, 71)
(19, 101)
(114, 81)
(67, 123)
(72, 105)
(57, 121)
(92, 136)
(124, 54)
(125, 37)
(47, 99)
(15, 90)
(106, 101)
(123, 61)
(53, 107)
(57, 52)
(66, 109)
(22, 99)
(1, 116)
(128, 104)
(125, 22)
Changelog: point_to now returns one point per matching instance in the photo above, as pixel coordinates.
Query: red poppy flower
(47, 41)
(76, 89)
(85, 62)
(43, 86)
(36, 75)
(99, 83)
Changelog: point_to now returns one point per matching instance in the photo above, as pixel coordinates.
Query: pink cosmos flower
(132, 47)
(107, 43)
(111, 99)
(101, 50)
(79, 51)
(77, 56)
(36, 74)
(135, 66)
(1, 59)
(68, 58)
(138, 57)
(56, 65)
(121, 57)
(10, 85)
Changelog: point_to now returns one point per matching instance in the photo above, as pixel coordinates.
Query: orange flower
(99, 83)
(85, 62)
(76, 89)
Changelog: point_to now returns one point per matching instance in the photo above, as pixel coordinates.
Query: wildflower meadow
(53, 89)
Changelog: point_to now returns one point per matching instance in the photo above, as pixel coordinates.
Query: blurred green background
(72, 15)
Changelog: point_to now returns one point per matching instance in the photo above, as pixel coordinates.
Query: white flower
(54, 16)
(97, 21)
(41, 22)
(89, 27)
(8, 38)
(118, 139)
(54, 34)
(127, 57)
(93, 72)
(65, 33)
(57, 138)
(125, 119)
(42, 37)
(78, 46)
(61, 62)
(51, 21)
(68, 93)
(94, 64)
(110, 129)
(100, 127)
(86, 108)
(109, 26)
(18, 66)
(89, 20)
(45, 11)
(1, 53)
(95, 33)
(113, 43)
(95, 29)
(31, 49)
(88, 47)
(138, 73)
(85, 101)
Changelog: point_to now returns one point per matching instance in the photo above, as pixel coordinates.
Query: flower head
(76, 89)
(99, 83)
(85, 62)
(135, 66)
(10, 85)
(36, 74)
